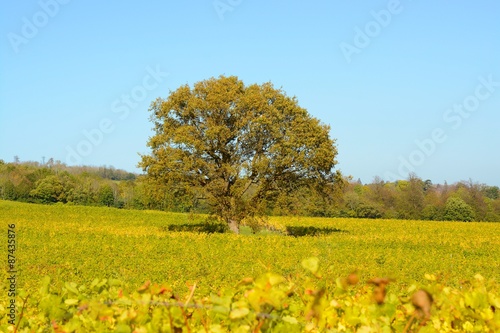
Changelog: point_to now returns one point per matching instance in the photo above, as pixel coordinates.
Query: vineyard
(103, 269)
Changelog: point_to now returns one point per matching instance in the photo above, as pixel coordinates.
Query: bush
(457, 210)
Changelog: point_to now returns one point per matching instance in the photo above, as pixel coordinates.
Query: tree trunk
(234, 226)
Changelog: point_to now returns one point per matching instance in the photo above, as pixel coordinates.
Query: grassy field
(444, 275)
(73, 243)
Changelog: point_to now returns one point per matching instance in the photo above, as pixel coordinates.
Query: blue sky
(406, 86)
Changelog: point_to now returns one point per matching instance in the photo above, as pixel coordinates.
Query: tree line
(419, 199)
(413, 198)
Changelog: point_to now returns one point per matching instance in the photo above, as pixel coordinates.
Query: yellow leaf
(290, 320)
(71, 301)
(311, 264)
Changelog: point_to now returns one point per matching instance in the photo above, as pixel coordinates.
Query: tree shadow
(301, 231)
(207, 228)
(220, 228)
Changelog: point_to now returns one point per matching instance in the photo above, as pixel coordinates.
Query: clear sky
(404, 85)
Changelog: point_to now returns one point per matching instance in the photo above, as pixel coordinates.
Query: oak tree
(237, 147)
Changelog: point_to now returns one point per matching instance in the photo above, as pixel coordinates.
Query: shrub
(457, 210)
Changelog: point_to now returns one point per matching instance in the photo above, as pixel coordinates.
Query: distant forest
(54, 182)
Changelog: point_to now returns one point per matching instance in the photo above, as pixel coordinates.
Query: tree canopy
(237, 146)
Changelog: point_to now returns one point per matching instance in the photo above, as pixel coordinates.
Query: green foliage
(55, 182)
(53, 188)
(358, 207)
(457, 210)
(9, 191)
(417, 199)
(432, 213)
(410, 201)
(366, 210)
(492, 192)
(106, 196)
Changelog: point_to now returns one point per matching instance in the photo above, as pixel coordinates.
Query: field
(80, 244)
